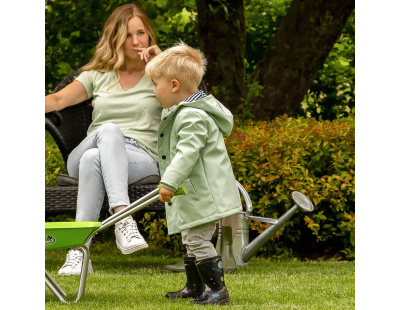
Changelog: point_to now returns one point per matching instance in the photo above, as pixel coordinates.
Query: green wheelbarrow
(62, 235)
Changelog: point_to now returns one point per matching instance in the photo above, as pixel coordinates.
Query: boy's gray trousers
(197, 241)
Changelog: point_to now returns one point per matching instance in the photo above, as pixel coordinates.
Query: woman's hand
(148, 53)
(165, 195)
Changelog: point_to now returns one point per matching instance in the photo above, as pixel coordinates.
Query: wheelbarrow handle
(179, 191)
(136, 206)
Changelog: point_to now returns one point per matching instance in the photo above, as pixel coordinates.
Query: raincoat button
(164, 157)
(162, 135)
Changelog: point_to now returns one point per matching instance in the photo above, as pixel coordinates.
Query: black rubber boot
(194, 285)
(179, 266)
(226, 249)
(212, 275)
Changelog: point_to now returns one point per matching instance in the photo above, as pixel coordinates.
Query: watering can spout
(249, 250)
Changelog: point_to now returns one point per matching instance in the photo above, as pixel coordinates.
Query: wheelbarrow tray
(61, 235)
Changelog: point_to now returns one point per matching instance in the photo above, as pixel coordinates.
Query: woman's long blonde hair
(109, 53)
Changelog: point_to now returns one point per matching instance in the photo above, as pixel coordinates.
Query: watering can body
(240, 241)
(241, 248)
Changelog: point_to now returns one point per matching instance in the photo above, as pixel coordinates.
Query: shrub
(54, 163)
(273, 159)
(155, 224)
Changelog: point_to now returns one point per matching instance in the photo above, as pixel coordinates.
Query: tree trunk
(222, 38)
(296, 54)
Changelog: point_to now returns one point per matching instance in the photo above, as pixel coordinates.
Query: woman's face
(137, 36)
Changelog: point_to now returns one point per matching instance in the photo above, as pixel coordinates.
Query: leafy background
(73, 29)
(312, 151)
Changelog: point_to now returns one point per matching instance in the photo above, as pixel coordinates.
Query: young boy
(192, 153)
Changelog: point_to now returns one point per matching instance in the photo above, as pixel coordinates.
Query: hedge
(54, 163)
(273, 159)
(317, 158)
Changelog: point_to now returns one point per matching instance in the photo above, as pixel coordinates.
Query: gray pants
(197, 241)
(107, 161)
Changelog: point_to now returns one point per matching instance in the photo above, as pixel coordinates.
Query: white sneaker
(128, 237)
(73, 264)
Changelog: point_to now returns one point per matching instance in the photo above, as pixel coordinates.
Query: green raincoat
(192, 153)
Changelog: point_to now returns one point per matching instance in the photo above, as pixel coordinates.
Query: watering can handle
(247, 200)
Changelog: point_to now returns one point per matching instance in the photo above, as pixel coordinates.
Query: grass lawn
(136, 282)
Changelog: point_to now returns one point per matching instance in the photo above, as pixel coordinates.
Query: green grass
(136, 282)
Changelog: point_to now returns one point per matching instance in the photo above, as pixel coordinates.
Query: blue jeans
(106, 160)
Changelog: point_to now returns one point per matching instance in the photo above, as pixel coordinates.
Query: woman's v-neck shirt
(136, 111)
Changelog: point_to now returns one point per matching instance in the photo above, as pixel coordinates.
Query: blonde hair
(109, 53)
(181, 62)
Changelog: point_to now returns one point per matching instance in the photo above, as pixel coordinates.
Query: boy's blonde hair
(181, 62)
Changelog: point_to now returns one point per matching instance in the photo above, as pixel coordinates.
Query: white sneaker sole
(74, 273)
(132, 249)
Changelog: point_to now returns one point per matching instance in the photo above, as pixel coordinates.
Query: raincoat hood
(221, 115)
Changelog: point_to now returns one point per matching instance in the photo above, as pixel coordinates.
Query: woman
(121, 146)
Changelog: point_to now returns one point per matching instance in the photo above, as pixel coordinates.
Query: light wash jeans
(197, 240)
(107, 161)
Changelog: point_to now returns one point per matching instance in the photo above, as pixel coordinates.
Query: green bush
(155, 224)
(54, 163)
(273, 159)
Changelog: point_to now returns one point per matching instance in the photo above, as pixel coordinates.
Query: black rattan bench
(68, 128)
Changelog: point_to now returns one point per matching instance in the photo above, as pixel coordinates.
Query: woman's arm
(72, 94)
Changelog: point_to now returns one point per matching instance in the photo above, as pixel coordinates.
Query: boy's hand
(165, 195)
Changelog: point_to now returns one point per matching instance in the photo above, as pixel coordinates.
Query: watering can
(241, 249)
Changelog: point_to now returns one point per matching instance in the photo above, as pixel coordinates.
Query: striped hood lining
(196, 96)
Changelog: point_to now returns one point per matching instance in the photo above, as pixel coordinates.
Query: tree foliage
(332, 93)
(73, 29)
(295, 54)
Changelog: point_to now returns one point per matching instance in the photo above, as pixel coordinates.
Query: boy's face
(164, 92)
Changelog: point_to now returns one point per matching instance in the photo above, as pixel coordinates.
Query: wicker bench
(68, 128)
